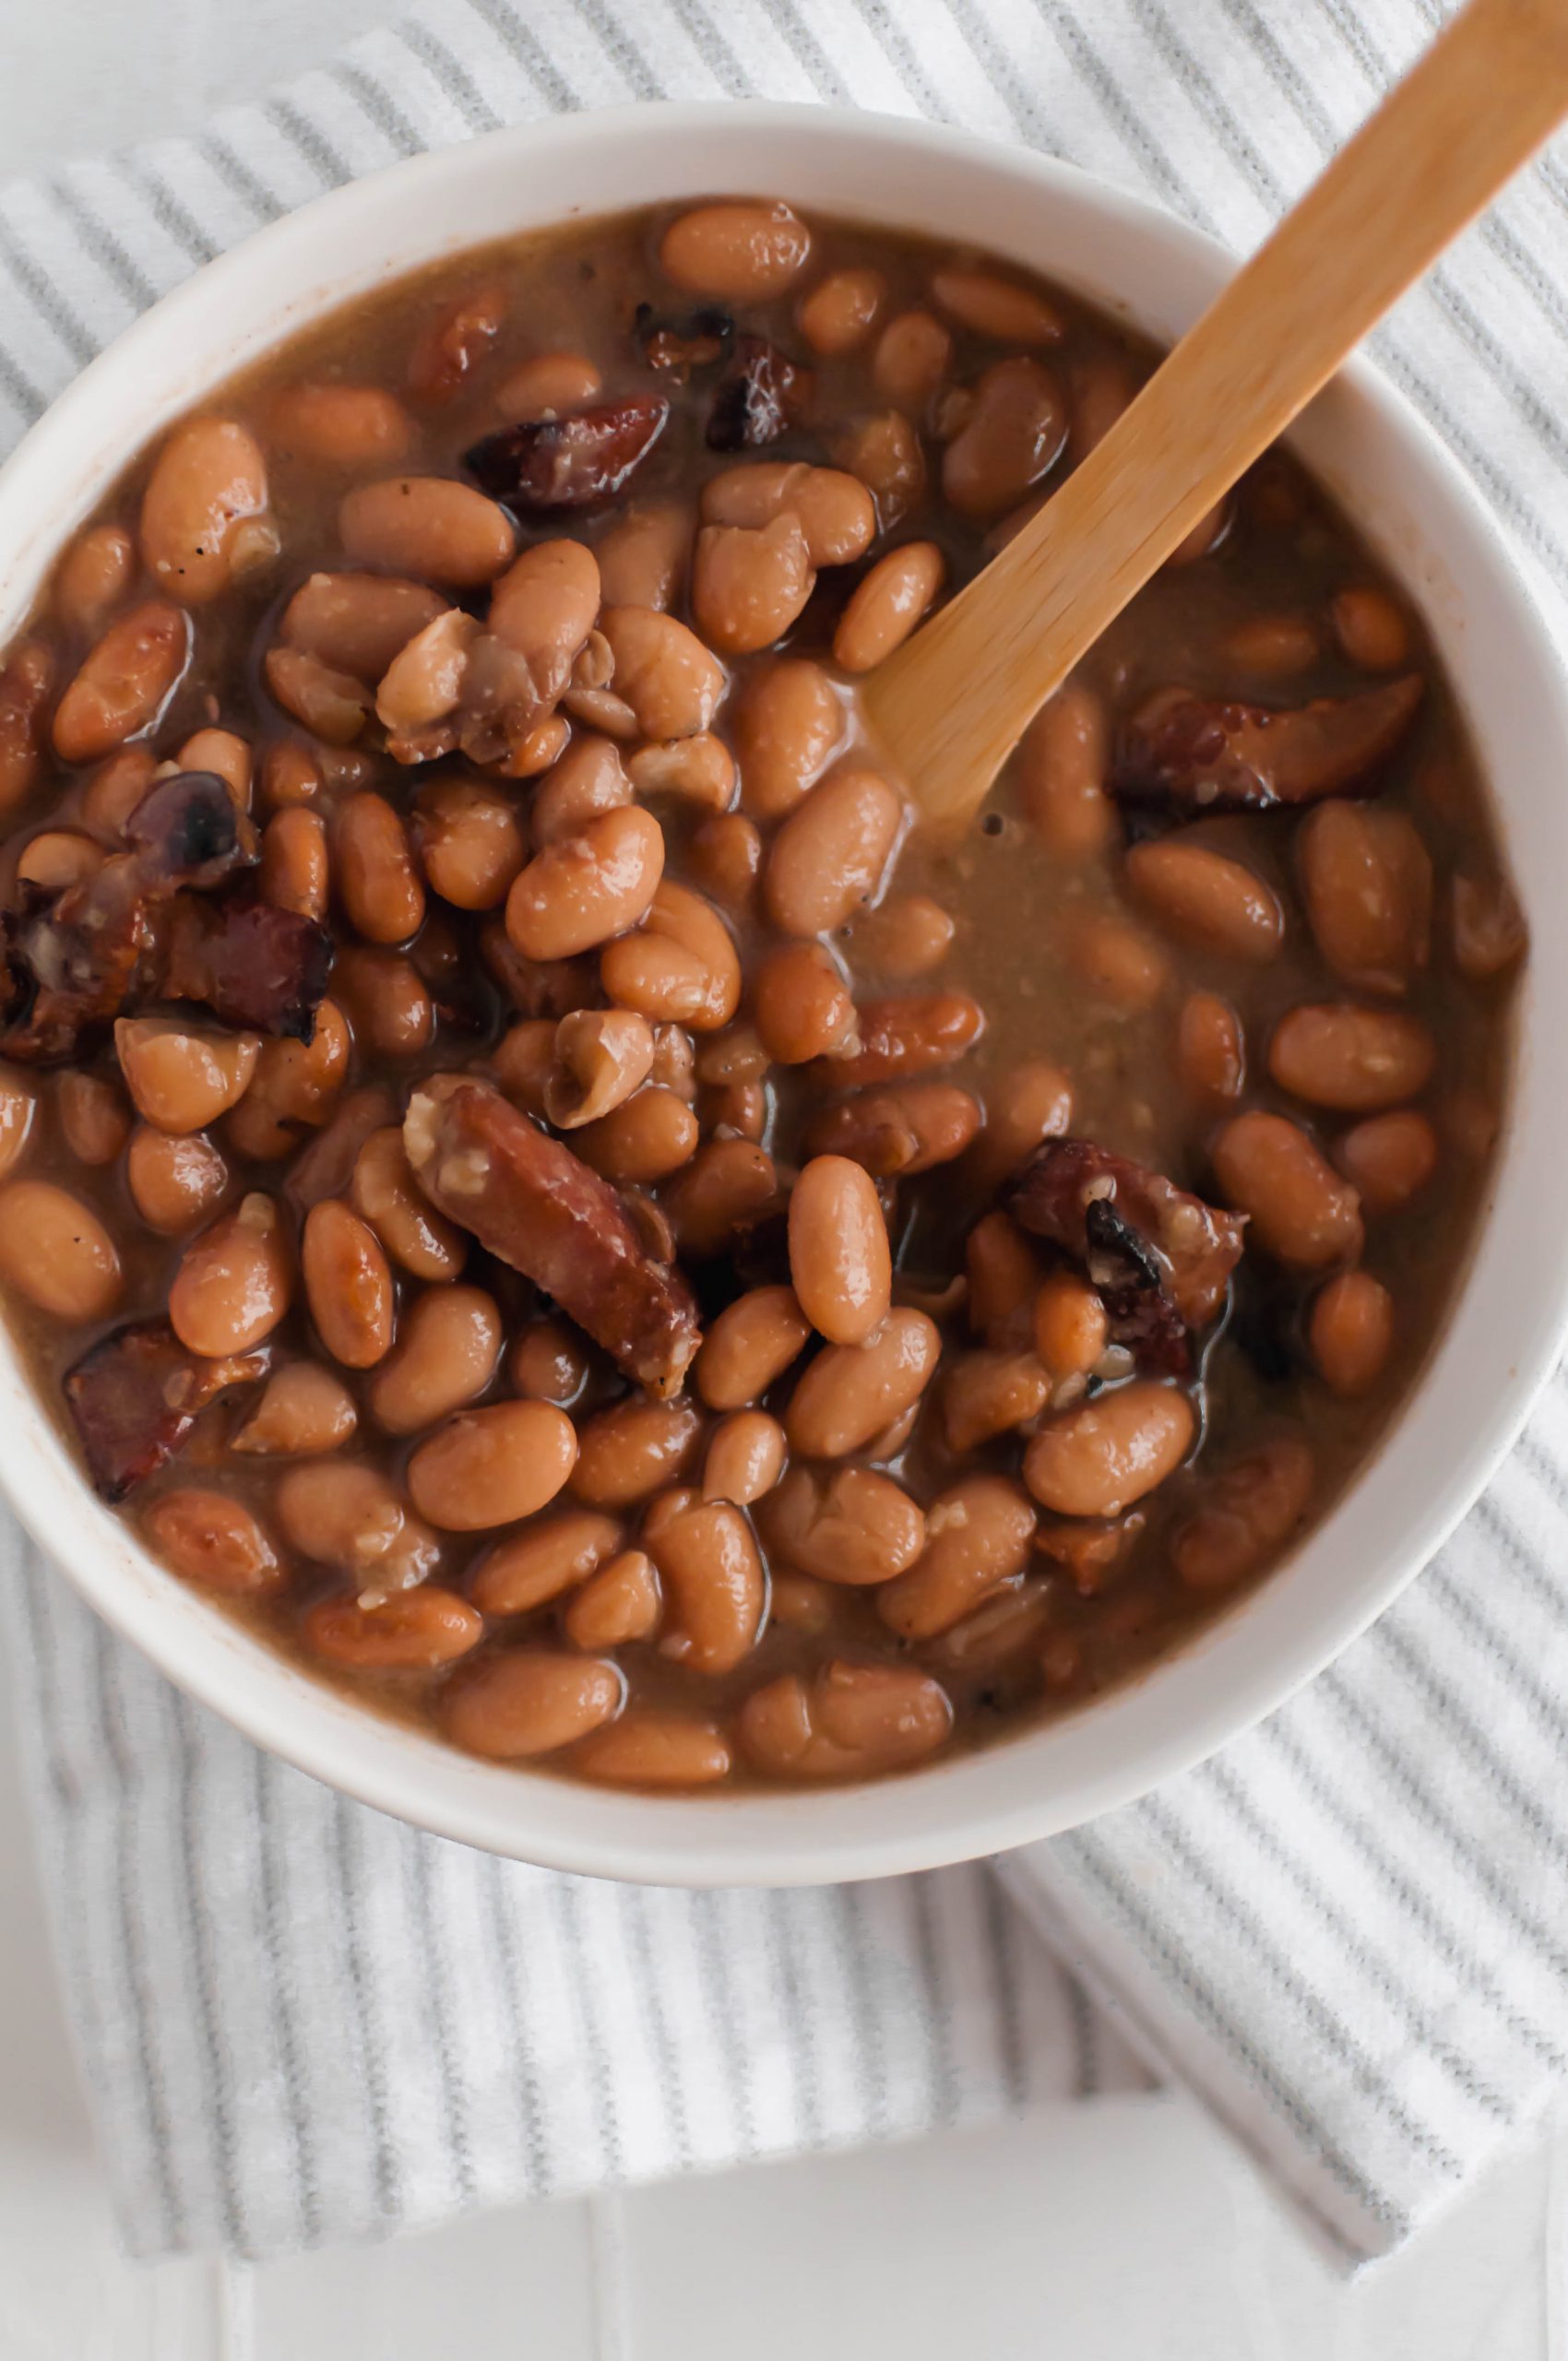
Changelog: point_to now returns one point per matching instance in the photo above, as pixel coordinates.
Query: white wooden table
(1125, 2231)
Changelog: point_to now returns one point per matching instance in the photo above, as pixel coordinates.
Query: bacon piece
(1196, 755)
(1160, 1258)
(135, 1397)
(69, 963)
(553, 463)
(255, 966)
(680, 346)
(761, 395)
(534, 1205)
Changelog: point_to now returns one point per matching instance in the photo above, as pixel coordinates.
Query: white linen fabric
(299, 2021)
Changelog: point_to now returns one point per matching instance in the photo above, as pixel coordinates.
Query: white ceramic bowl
(1504, 1332)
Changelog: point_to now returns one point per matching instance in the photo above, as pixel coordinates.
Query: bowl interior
(1503, 1334)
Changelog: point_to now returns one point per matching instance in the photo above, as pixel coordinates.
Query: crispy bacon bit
(1197, 755)
(682, 346)
(256, 967)
(553, 463)
(135, 1397)
(1160, 1258)
(761, 395)
(68, 965)
(535, 1206)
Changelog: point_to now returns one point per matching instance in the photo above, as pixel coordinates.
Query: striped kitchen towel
(1349, 1933)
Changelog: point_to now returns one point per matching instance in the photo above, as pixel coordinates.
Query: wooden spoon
(951, 704)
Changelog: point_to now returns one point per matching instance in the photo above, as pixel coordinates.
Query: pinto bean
(547, 384)
(429, 528)
(904, 1130)
(1299, 1208)
(378, 877)
(1389, 1158)
(93, 577)
(234, 1282)
(841, 310)
(745, 253)
(850, 1393)
(1012, 437)
(1211, 1056)
(95, 1121)
(18, 1109)
(57, 858)
(601, 1056)
(1366, 880)
(658, 1749)
(619, 1604)
(1350, 1331)
(750, 1344)
(846, 1526)
(663, 671)
(1120, 962)
(834, 510)
(727, 1184)
(295, 867)
(412, 1633)
(1358, 1060)
(628, 1451)
(745, 1458)
(1004, 1275)
(385, 999)
(913, 355)
(493, 1465)
(173, 1182)
(340, 425)
(1028, 1104)
(384, 1192)
(885, 452)
(789, 724)
(182, 1077)
(985, 1393)
(852, 1721)
(840, 1263)
(213, 1541)
(1061, 768)
(1207, 898)
(348, 1285)
(527, 1569)
(207, 480)
(549, 1362)
(56, 1252)
(831, 853)
(645, 1139)
(303, 1409)
(588, 780)
(700, 771)
(887, 604)
(1098, 1459)
(717, 1591)
(978, 1534)
(1250, 1509)
(358, 623)
(642, 558)
(749, 583)
(1068, 1324)
(990, 306)
(344, 1514)
(910, 1035)
(124, 682)
(1370, 628)
(544, 608)
(1488, 926)
(575, 894)
(680, 966)
(532, 1701)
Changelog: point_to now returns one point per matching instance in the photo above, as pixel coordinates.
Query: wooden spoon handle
(950, 705)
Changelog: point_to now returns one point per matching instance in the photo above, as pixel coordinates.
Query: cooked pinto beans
(541, 1181)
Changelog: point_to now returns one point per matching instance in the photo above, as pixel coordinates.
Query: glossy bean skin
(469, 842)
(887, 604)
(348, 1285)
(841, 310)
(979, 1534)
(655, 1750)
(527, 1569)
(985, 1393)
(94, 1118)
(841, 1264)
(1389, 1158)
(1350, 1332)
(905, 1130)
(847, 1524)
(713, 1578)
(549, 1362)
(850, 1393)
(213, 1541)
(852, 1721)
(303, 1409)
(182, 1077)
(530, 1702)
(377, 875)
(750, 1342)
(56, 1252)
(94, 573)
(1061, 770)
(789, 724)
(743, 251)
(493, 1465)
(1299, 1208)
(749, 583)
(234, 1282)
(1207, 898)
(173, 1181)
(1367, 881)
(208, 477)
(669, 680)
(383, 1191)
(1097, 1459)
(830, 854)
(1356, 1059)
(680, 966)
(426, 527)
(1012, 435)
(1068, 1324)
(350, 1516)
(620, 1602)
(1211, 1050)
(412, 1633)
(342, 425)
(628, 1452)
(913, 355)
(579, 893)
(745, 1458)
(124, 682)
(645, 1139)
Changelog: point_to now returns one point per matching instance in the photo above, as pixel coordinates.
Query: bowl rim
(830, 1834)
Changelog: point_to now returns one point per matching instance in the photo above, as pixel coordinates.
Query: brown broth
(1043, 1647)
